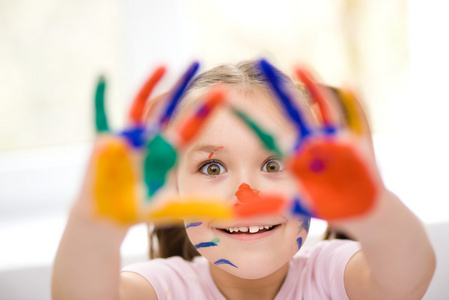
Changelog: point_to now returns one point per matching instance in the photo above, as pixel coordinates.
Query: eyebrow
(209, 149)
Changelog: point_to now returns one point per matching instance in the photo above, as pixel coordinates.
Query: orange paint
(317, 93)
(253, 204)
(137, 108)
(212, 153)
(194, 123)
(335, 178)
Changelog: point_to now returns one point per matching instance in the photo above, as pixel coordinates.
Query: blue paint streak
(306, 224)
(299, 209)
(205, 245)
(276, 84)
(299, 241)
(193, 224)
(176, 96)
(224, 261)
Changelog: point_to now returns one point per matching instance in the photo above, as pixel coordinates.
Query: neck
(236, 288)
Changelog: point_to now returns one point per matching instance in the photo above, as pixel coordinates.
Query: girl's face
(225, 155)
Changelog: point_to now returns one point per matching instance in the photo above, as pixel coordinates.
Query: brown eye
(212, 169)
(272, 166)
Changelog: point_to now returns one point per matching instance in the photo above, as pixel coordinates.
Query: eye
(212, 168)
(272, 166)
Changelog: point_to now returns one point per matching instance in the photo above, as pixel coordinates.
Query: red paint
(136, 111)
(317, 94)
(335, 178)
(212, 153)
(253, 204)
(194, 123)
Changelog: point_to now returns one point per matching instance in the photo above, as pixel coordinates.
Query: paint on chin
(224, 261)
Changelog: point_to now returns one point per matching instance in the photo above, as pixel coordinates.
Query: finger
(137, 108)
(115, 181)
(101, 122)
(319, 95)
(161, 157)
(193, 124)
(177, 93)
(277, 85)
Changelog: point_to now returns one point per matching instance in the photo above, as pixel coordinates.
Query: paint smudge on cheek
(224, 261)
(193, 224)
(212, 243)
(299, 242)
(305, 225)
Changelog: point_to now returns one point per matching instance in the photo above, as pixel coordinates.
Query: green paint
(160, 158)
(101, 121)
(266, 138)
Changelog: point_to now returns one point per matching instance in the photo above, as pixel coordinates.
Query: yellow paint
(349, 102)
(115, 182)
(190, 208)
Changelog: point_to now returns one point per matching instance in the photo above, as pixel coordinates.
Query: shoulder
(190, 279)
(319, 270)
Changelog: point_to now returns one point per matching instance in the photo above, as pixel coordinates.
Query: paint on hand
(212, 153)
(177, 93)
(343, 188)
(267, 140)
(101, 121)
(138, 106)
(224, 261)
(252, 204)
(114, 183)
(299, 242)
(191, 208)
(277, 85)
(317, 94)
(192, 126)
(212, 243)
(350, 106)
(160, 159)
(299, 209)
(193, 224)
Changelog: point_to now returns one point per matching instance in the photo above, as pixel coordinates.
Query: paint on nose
(246, 194)
(251, 203)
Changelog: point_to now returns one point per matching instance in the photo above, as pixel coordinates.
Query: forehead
(225, 127)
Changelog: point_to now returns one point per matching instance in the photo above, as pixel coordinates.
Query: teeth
(251, 229)
(244, 229)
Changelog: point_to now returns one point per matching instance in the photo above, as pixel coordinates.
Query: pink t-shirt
(314, 273)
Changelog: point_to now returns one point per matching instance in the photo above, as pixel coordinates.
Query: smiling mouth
(249, 229)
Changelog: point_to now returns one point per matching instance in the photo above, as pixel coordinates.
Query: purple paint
(224, 261)
(317, 165)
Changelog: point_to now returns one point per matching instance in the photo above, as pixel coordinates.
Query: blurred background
(393, 52)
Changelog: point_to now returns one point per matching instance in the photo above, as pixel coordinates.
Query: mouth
(249, 229)
(248, 232)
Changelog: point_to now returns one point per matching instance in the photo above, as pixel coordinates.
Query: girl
(249, 258)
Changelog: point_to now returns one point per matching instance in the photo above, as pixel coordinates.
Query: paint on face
(193, 224)
(305, 225)
(224, 261)
(207, 244)
(299, 242)
(252, 204)
(212, 153)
